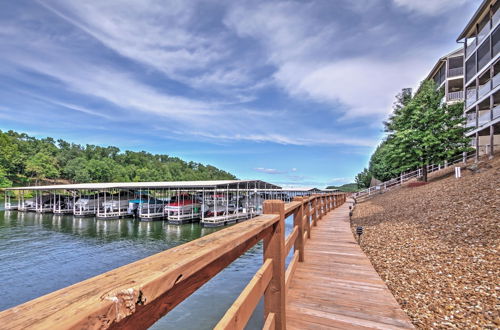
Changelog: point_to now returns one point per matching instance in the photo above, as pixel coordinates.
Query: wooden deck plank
(336, 287)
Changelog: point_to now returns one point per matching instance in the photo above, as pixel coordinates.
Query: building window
(495, 41)
(483, 54)
(470, 67)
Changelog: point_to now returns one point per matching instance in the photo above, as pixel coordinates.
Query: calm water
(43, 253)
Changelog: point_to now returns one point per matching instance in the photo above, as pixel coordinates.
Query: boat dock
(328, 284)
(211, 203)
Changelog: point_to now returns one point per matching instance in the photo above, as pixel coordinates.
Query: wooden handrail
(291, 207)
(290, 240)
(138, 294)
(291, 269)
(151, 286)
(270, 323)
(240, 312)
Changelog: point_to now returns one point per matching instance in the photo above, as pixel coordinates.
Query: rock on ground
(437, 247)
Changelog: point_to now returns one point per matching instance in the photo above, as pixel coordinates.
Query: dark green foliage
(421, 131)
(24, 159)
(363, 179)
(380, 166)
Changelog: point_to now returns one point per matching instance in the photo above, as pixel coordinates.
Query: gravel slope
(437, 247)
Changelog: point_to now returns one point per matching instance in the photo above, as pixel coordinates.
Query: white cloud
(269, 170)
(291, 45)
(159, 34)
(429, 7)
(311, 58)
(355, 83)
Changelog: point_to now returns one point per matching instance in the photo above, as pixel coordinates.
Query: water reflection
(44, 252)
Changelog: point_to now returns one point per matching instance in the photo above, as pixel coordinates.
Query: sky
(289, 92)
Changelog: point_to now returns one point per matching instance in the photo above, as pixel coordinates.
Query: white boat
(86, 206)
(183, 208)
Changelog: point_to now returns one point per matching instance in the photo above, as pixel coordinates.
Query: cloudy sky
(291, 92)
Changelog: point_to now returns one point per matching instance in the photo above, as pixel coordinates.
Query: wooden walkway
(336, 287)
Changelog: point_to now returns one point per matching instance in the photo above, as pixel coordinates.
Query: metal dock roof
(155, 185)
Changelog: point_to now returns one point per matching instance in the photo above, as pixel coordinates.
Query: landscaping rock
(437, 247)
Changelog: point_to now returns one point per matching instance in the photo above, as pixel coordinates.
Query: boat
(183, 208)
(86, 205)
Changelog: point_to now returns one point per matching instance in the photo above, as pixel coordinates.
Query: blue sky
(291, 92)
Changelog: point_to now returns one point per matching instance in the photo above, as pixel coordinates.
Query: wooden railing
(136, 295)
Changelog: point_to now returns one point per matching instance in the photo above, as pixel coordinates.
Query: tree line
(26, 160)
(422, 130)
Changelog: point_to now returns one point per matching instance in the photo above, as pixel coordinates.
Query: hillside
(437, 247)
(28, 160)
(348, 187)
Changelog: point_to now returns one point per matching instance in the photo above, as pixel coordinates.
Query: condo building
(448, 74)
(481, 39)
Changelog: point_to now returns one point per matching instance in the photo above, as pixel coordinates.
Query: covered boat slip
(212, 203)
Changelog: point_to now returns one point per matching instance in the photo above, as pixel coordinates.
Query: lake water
(41, 253)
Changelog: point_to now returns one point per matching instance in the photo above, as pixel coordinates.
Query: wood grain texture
(298, 221)
(118, 295)
(274, 248)
(336, 287)
(240, 312)
(270, 322)
(291, 239)
(291, 269)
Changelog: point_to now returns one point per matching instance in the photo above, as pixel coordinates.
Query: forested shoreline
(26, 160)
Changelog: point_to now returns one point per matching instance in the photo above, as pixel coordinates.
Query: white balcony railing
(496, 110)
(471, 96)
(471, 47)
(496, 80)
(496, 17)
(483, 89)
(483, 33)
(455, 96)
(455, 72)
(471, 123)
(484, 118)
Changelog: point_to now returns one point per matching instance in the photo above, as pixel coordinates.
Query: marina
(211, 203)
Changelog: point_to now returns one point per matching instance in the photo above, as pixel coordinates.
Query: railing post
(308, 214)
(320, 207)
(315, 211)
(274, 248)
(298, 220)
(323, 208)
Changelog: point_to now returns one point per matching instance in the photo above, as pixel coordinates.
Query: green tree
(363, 179)
(380, 165)
(425, 131)
(4, 181)
(42, 166)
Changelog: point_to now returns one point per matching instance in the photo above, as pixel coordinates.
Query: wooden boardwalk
(336, 287)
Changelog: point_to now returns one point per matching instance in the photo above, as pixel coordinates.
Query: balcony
(496, 17)
(484, 117)
(496, 80)
(455, 96)
(484, 89)
(471, 47)
(470, 123)
(471, 97)
(483, 33)
(496, 110)
(455, 72)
